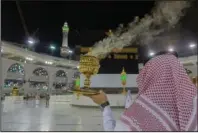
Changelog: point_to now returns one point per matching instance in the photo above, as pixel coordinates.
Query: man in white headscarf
(166, 100)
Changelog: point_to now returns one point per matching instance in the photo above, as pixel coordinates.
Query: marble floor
(59, 116)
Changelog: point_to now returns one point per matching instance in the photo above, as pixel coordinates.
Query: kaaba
(115, 61)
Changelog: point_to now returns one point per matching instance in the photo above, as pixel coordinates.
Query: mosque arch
(60, 80)
(61, 73)
(16, 68)
(15, 76)
(40, 80)
(40, 72)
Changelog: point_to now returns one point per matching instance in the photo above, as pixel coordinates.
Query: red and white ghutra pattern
(167, 98)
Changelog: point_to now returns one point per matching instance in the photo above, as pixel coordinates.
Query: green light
(77, 82)
(123, 77)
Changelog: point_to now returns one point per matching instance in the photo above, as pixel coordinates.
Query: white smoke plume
(164, 16)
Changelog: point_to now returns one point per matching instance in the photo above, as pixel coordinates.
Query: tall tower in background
(65, 51)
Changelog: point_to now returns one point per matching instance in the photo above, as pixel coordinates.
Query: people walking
(37, 100)
(27, 98)
(47, 99)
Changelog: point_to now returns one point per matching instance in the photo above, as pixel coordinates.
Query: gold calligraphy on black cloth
(129, 53)
(116, 60)
(120, 56)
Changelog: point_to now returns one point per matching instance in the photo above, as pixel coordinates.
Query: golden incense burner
(89, 65)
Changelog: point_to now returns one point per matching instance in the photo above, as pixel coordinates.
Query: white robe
(110, 124)
(128, 101)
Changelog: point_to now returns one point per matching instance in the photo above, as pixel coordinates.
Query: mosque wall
(110, 81)
(28, 75)
(98, 81)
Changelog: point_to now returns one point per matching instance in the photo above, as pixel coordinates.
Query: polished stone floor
(59, 116)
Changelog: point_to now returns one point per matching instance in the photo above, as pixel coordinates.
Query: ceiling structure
(13, 52)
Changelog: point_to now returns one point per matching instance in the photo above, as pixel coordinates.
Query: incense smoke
(164, 16)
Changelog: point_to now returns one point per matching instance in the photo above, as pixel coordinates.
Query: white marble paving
(59, 116)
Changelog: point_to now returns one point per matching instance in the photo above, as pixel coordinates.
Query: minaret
(65, 51)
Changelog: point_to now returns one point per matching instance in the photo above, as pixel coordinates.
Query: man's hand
(100, 98)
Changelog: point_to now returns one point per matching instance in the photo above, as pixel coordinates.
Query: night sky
(88, 21)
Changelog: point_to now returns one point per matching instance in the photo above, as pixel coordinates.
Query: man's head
(161, 53)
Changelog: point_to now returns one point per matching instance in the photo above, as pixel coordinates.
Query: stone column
(50, 84)
(28, 73)
(50, 79)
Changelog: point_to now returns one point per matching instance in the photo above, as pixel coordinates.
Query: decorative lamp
(77, 86)
(89, 65)
(123, 80)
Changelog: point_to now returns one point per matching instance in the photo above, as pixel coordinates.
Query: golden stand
(124, 91)
(77, 96)
(77, 93)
